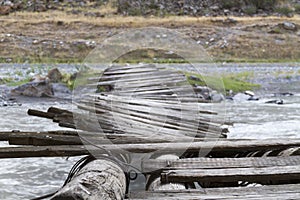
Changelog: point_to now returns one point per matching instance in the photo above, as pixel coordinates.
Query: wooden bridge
(230, 169)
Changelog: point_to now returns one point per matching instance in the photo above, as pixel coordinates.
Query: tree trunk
(99, 179)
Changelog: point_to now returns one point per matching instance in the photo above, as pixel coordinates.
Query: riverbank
(57, 36)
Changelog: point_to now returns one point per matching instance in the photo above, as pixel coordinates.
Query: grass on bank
(224, 83)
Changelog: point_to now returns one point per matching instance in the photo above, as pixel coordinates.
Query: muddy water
(31, 177)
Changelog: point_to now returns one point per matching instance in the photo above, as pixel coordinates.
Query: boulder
(244, 97)
(279, 102)
(286, 94)
(34, 89)
(54, 75)
(216, 97)
(203, 92)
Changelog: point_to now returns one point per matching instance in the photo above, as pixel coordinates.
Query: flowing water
(31, 177)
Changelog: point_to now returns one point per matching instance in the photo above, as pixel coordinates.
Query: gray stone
(241, 97)
(215, 8)
(54, 75)
(194, 78)
(34, 89)
(289, 26)
(217, 97)
(279, 102)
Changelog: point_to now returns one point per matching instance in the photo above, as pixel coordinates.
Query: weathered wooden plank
(119, 67)
(139, 78)
(213, 146)
(220, 146)
(129, 71)
(250, 174)
(46, 151)
(282, 192)
(147, 102)
(218, 163)
(43, 139)
(4, 136)
(99, 179)
(56, 110)
(40, 114)
(153, 182)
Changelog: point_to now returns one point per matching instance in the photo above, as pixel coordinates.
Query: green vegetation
(234, 82)
(284, 10)
(18, 83)
(81, 78)
(262, 4)
(250, 10)
(5, 80)
(297, 8)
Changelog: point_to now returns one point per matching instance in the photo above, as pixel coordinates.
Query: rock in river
(34, 89)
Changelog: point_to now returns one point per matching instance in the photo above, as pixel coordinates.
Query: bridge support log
(154, 183)
(99, 179)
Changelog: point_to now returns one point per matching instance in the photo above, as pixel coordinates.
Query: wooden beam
(251, 174)
(220, 146)
(4, 136)
(154, 183)
(46, 151)
(99, 179)
(282, 192)
(217, 163)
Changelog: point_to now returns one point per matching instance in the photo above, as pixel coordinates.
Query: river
(31, 177)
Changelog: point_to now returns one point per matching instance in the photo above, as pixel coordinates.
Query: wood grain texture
(99, 179)
(282, 192)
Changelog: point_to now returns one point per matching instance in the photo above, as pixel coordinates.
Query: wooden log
(56, 110)
(5, 135)
(38, 113)
(233, 147)
(46, 151)
(270, 192)
(251, 174)
(154, 183)
(99, 179)
(43, 139)
(217, 163)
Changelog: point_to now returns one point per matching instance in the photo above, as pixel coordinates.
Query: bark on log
(99, 179)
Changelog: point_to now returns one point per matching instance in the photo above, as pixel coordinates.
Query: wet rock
(194, 78)
(54, 75)
(61, 88)
(286, 94)
(203, 92)
(37, 78)
(250, 93)
(6, 99)
(34, 89)
(279, 102)
(241, 97)
(244, 97)
(253, 98)
(216, 97)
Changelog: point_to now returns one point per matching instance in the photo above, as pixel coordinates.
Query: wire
(75, 169)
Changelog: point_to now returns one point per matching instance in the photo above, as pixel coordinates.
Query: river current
(30, 177)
